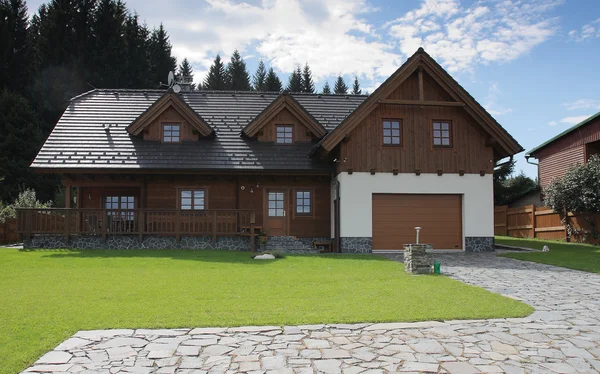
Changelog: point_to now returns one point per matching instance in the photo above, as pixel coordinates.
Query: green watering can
(436, 267)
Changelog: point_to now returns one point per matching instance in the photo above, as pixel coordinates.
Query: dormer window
(284, 134)
(171, 133)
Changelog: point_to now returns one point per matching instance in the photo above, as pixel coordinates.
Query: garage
(395, 217)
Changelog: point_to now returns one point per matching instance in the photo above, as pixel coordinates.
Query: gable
(302, 133)
(153, 130)
(284, 108)
(169, 107)
(421, 82)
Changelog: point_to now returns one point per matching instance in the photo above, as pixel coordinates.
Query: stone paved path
(561, 336)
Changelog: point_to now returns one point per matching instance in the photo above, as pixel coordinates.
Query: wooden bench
(246, 230)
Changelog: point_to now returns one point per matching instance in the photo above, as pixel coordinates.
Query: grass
(47, 295)
(576, 256)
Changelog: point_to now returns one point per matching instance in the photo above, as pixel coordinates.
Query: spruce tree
(238, 78)
(307, 82)
(137, 67)
(110, 47)
(295, 80)
(259, 77)
(272, 82)
(356, 87)
(185, 74)
(340, 86)
(216, 78)
(326, 89)
(15, 68)
(161, 61)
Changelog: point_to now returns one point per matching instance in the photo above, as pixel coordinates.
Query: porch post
(67, 212)
(252, 245)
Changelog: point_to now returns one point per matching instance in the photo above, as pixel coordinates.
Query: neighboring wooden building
(573, 146)
(206, 169)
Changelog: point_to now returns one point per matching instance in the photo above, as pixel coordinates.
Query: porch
(102, 223)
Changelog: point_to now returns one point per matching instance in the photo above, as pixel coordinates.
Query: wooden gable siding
(171, 115)
(409, 90)
(364, 151)
(285, 117)
(556, 158)
(555, 165)
(161, 192)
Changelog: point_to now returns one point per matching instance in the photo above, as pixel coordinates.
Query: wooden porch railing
(164, 222)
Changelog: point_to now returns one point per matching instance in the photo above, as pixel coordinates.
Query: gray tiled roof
(80, 141)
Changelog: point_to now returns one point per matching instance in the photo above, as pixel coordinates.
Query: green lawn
(584, 257)
(47, 295)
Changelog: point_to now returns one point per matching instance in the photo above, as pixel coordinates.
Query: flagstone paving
(561, 336)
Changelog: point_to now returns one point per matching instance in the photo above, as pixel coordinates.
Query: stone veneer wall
(290, 244)
(356, 245)
(479, 244)
(231, 243)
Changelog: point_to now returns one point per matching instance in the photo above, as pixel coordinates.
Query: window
(276, 208)
(171, 133)
(285, 134)
(192, 199)
(303, 202)
(391, 132)
(121, 213)
(442, 134)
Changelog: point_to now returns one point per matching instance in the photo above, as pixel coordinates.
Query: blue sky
(533, 64)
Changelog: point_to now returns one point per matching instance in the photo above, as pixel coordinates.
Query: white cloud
(488, 31)
(583, 104)
(331, 36)
(490, 102)
(574, 120)
(552, 123)
(588, 31)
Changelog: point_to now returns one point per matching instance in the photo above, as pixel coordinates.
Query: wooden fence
(540, 222)
(8, 231)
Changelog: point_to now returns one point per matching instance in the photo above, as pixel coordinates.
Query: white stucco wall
(356, 192)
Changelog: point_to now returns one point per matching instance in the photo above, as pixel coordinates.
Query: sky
(533, 64)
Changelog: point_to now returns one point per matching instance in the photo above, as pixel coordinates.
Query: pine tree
(272, 82)
(307, 82)
(238, 78)
(160, 56)
(340, 86)
(326, 89)
(295, 80)
(15, 67)
(216, 78)
(185, 74)
(356, 87)
(259, 77)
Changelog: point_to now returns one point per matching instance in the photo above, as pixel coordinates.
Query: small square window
(392, 132)
(191, 199)
(303, 202)
(442, 134)
(284, 134)
(171, 133)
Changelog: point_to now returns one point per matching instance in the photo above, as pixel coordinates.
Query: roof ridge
(224, 92)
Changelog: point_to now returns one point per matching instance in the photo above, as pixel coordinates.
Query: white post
(418, 228)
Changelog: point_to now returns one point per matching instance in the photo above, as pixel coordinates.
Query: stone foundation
(479, 244)
(356, 245)
(291, 244)
(416, 258)
(231, 243)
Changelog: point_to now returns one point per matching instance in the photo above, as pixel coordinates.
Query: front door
(276, 222)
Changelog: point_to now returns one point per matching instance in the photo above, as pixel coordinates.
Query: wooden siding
(161, 192)
(364, 151)
(171, 115)
(285, 117)
(556, 158)
(409, 90)
(555, 165)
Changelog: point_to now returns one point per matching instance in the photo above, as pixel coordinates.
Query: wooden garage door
(395, 217)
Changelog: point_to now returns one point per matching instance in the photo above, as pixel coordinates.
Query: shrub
(26, 199)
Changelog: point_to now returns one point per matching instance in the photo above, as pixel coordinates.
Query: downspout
(527, 157)
(336, 228)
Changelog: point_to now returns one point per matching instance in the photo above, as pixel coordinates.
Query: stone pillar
(416, 258)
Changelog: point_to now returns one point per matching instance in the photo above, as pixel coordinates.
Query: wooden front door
(276, 212)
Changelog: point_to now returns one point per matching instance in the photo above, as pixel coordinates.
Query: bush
(578, 192)
(26, 199)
